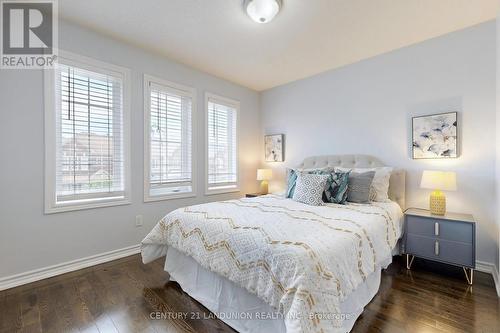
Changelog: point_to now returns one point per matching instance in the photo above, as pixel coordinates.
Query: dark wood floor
(119, 297)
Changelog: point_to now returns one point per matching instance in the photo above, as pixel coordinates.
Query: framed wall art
(273, 145)
(435, 136)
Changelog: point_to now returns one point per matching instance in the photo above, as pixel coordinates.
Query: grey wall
(367, 108)
(28, 238)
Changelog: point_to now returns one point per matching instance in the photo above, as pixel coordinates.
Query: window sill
(222, 191)
(154, 198)
(60, 208)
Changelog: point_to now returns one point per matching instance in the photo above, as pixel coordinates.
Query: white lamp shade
(264, 174)
(439, 180)
(262, 11)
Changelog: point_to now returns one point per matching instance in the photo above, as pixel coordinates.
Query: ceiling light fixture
(262, 11)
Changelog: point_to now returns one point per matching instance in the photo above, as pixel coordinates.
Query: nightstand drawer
(457, 253)
(442, 229)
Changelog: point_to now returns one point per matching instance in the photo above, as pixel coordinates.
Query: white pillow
(309, 188)
(379, 191)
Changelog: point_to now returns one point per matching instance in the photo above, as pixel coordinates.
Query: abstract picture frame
(435, 136)
(273, 148)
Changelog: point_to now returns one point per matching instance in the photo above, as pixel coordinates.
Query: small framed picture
(273, 145)
(435, 136)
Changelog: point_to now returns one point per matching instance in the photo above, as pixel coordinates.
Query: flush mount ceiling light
(262, 11)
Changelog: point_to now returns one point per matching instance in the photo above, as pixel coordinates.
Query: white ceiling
(305, 38)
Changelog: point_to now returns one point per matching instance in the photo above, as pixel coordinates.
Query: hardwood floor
(120, 296)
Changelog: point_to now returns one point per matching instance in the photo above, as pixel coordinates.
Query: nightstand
(253, 195)
(449, 239)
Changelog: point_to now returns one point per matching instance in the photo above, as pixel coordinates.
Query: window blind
(89, 138)
(170, 140)
(222, 145)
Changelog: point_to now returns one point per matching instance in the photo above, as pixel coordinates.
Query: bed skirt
(245, 312)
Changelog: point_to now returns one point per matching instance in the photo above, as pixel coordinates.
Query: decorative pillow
(336, 186)
(309, 188)
(359, 186)
(291, 178)
(379, 190)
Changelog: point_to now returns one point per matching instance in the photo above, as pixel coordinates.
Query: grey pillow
(359, 186)
(309, 188)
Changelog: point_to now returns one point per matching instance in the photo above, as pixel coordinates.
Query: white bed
(248, 301)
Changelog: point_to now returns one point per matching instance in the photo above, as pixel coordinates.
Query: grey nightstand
(450, 239)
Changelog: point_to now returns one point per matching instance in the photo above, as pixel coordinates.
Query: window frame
(147, 138)
(50, 128)
(236, 105)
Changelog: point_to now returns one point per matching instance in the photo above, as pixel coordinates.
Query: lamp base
(437, 203)
(264, 187)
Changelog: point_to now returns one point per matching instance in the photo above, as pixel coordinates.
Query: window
(86, 134)
(168, 140)
(222, 144)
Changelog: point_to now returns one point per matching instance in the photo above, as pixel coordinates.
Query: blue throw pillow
(291, 178)
(336, 186)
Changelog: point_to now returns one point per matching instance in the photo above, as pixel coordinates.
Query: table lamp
(438, 181)
(264, 175)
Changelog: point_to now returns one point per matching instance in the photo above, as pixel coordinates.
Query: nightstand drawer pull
(436, 229)
(436, 248)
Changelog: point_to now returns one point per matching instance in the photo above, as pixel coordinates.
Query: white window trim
(236, 105)
(50, 135)
(147, 123)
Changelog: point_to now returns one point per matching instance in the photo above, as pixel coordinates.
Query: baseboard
(66, 267)
(486, 267)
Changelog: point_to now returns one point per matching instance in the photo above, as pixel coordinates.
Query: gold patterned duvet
(302, 260)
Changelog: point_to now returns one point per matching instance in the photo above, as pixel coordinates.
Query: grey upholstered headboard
(397, 181)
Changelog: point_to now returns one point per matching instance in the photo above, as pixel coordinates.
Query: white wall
(367, 107)
(498, 142)
(362, 108)
(28, 238)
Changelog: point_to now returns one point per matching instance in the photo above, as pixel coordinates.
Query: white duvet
(302, 260)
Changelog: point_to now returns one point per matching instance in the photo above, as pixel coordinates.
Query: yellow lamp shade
(264, 174)
(439, 180)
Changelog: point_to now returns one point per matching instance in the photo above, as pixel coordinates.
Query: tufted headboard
(397, 181)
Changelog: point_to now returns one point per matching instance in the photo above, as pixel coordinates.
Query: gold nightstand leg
(469, 276)
(408, 261)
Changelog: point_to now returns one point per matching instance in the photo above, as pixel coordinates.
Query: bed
(270, 264)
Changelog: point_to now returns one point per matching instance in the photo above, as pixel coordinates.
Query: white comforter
(302, 260)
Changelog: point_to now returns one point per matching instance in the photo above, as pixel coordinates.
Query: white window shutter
(222, 145)
(86, 134)
(89, 138)
(169, 112)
